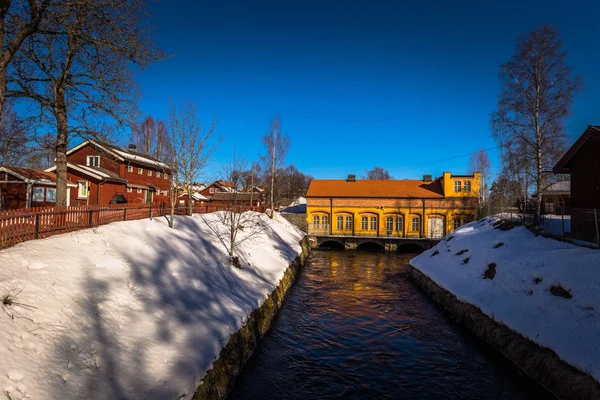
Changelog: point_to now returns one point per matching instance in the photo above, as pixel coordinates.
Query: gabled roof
(375, 188)
(563, 166)
(33, 175)
(95, 172)
(195, 196)
(123, 154)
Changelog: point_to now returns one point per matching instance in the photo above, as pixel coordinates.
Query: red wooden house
(26, 188)
(581, 161)
(217, 187)
(107, 174)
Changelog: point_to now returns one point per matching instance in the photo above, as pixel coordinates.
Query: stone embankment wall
(299, 220)
(219, 381)
(539, 363)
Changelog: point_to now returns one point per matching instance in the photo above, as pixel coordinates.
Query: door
(436, 227)
(149, 196)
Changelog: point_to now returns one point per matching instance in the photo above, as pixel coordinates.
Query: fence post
(150, 213)
(562, 218)
(596, 220)
(37, 225)
(124, 214)
(91, 218)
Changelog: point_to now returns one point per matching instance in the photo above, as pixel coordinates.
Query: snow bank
(131, 309)
(519, 295)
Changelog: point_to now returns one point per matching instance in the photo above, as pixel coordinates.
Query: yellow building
(401, 208)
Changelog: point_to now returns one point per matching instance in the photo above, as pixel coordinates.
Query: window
(316, 222)
(130, 168)
(465, 221)
(415, 224)
(211, 190)
(349, 223)
(140, 171)
(93, 161)
(340, 223)
(399, 224)
(364, 223)
(139, 190)
(158, 174)
(456, 223)
(324, 221)
(166, 176)
(373, 223)
(149, 173)
(468, 186)
(389, 224)
(457, 186)
(129, 190)
(82, 189)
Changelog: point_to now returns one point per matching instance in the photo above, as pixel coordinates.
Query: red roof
(564, 164)
(376, 188)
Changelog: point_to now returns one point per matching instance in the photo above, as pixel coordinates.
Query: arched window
(399, 224)
(349, 223)
(389, 224)
(373, 223)
(340, 223)
(364, 223)
(325, 222)
(415, 224)
(316, 222)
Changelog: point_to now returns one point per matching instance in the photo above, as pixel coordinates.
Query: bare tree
(277, 144)
(537, 92)
(14, 139)
(480, 162)
(151, 138)
(192, 145)
(18, 21)
(77, 70)
(377, 173)
(235, 224)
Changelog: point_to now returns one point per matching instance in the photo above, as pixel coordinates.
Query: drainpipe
(423, 220)
(330, 214)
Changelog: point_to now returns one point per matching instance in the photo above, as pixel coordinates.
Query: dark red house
(217, 187)
(26, 188)
(582, 162)
(107, 174)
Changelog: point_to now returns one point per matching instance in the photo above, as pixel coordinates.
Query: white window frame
(158, 174)
(325, 221)
(82, 185)
(389, 224)
(373, 224)
(340, 223)
(456, 223)
(166, 176)
(149, 172)
(129, 190)
(139, 190)
(130, 168)
(349, 223)
(211, 190)
(415, 224)
(457, 186)
(399, 224)
(316, 222)
(467, 186)
(364, 223)
(140, 171)
(89, 163)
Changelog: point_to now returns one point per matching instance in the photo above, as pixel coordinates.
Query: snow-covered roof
(123, 154)
(563, 186)
(94, 172)
(140, 159)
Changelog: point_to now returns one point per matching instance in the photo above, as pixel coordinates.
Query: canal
(354, 327)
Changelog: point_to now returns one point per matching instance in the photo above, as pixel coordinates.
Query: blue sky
(408, 86)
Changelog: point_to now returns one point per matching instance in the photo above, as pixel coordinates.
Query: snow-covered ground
(132, 309)
(553, 224)
(519, 295)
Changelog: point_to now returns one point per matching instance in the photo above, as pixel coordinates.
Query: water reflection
(354, 327)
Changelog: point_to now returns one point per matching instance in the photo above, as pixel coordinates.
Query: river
(354, 327)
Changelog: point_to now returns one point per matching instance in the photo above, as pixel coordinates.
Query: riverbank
(131, 309)
(545, 290)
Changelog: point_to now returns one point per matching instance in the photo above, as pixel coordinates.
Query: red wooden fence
(18, 226)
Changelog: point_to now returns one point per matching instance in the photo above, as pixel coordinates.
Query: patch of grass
(466, 260)
(559, 291)
(499, 244)
(435, 253)
(490, 272)
(537, 280)
(463, 251)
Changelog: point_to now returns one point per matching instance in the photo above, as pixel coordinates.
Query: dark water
(354, 327)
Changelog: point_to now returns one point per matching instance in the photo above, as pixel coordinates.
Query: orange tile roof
(376, 188)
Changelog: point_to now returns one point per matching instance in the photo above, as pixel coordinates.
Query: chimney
(427, 178)
(132, 146)
(351, 178)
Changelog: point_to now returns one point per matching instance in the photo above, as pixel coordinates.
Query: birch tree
(277, 144)
(192, 142)
(537, 92)
(480, 162)
(77, 71)
(150, 137)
